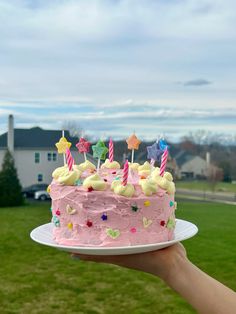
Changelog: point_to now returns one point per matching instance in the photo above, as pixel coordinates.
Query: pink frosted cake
(99, 208)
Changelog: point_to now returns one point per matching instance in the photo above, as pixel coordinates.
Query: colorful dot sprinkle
(172, 203)
(133, 230)
(90, 189)
(162, 223)
(104, 217)
(58, 213)
(89, 223)
(70, 225)
(147, 203)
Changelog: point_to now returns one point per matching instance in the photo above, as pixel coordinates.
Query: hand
(161, 263)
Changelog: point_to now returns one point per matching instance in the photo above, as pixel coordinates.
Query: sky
(156, 67)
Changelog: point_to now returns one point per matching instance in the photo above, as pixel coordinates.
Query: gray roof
(182, 157)
(36, 138)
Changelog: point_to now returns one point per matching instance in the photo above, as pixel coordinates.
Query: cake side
(102, 218)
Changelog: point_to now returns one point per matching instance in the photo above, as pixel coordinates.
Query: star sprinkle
(99, 150)
(62, 145)
(89, 223)
(172, 203)
(104, 217)
(83, 145)
(134, 207)
(133, 142)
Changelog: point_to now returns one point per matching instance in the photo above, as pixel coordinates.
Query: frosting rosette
(148, 186)
(64, 176)
(120, 189)
(95, 182)
(110, 165)
(87, 165)
(145, 169)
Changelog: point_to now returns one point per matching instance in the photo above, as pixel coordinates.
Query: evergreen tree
(10, 188)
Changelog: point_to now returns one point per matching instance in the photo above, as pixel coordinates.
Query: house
(35, 153)
(191, 166)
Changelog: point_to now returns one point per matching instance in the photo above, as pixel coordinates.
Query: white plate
(183, 230)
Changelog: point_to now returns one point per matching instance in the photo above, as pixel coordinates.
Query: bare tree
(214, 175)
(74, 128)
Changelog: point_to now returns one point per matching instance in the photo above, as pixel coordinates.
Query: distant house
(35, 153)
(192, 167)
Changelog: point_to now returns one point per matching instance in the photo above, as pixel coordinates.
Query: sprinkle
(70, 225)
(114, 172)
(113, 233)
(70, 210)
(117, 178)
(56, 221)
(104, 217)
(78, 182)
(58, 213)
(90, 189)
(142, 177)
(147, 203)
(172, 203)
(49, 189)
(89, 223)
(133, 230)
(146, 222)
(134, 207)
(50, 209)
(105, 180)
(171, 223)
(162, 223)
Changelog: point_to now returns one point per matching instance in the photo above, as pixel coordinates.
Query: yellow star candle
(62, 146)
(133, 144)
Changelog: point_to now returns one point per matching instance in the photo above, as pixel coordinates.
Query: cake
(112, 207)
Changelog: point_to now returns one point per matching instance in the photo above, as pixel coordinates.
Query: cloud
(197, 82)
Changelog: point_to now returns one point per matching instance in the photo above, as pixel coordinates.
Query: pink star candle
(125, 173)
(163, 162)
(83, 147)
(69, 159)
(111, 151)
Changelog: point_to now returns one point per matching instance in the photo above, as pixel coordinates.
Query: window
(40, 177)
(37, 158)
(52, 157)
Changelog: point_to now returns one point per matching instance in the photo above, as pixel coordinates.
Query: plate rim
(113, 248)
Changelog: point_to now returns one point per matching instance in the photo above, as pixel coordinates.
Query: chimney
(208, 159)
(10, 134)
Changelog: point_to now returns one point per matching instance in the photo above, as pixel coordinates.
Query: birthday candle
(111, 151)
(163, 162)
(69, 159)
(125, 173)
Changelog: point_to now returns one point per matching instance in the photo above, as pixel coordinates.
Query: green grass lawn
(203, 185)
(38, 279)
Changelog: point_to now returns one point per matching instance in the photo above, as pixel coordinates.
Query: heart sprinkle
(146, 222)
(113, 233)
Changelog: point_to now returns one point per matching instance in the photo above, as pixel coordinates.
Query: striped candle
(164, 158)
(111, 151)
(125, 173)
(69, 159)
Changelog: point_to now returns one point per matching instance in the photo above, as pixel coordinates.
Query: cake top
(132, 180)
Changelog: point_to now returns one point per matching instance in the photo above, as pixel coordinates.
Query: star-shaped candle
(62, 146)
(83, 147)
(154, 152)
(99, 151)
(133, 144)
